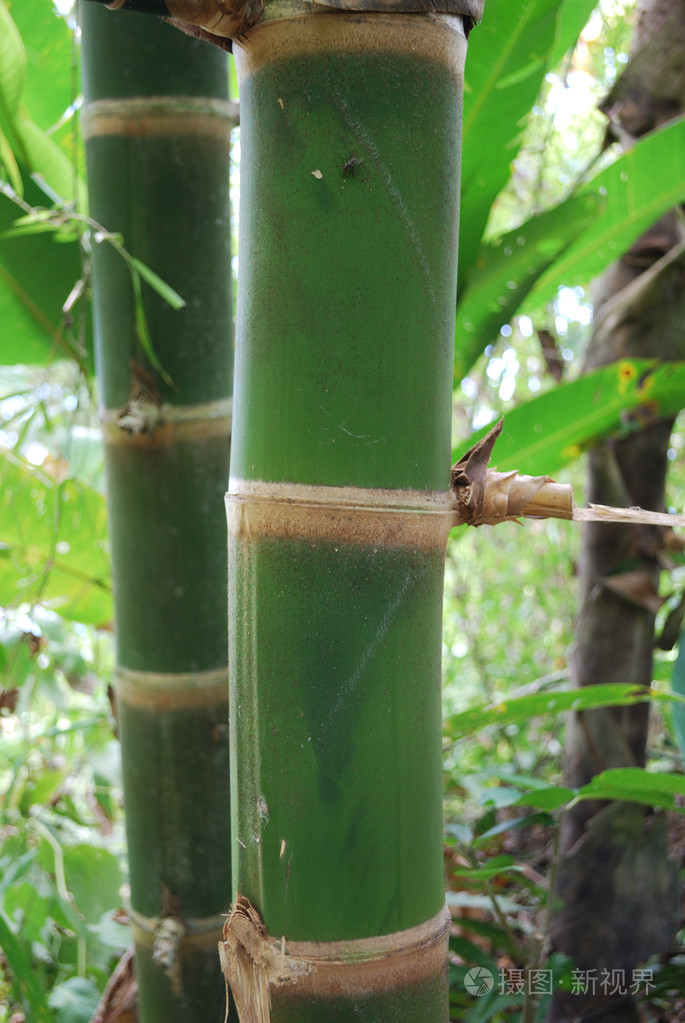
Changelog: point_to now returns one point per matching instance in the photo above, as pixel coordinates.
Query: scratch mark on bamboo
(364, 139)
(348, 687)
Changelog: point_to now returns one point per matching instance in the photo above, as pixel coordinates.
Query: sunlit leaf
(636, 785)
(12, 66)
(49, 50)
(74, 1000)
(18, 953)
(639, 187)
(55, 534)
(507, 269)
(523, 708)
(93, 877)
(543, 434)
(506, 65)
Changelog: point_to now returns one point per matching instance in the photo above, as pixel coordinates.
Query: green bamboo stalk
(338, 513)
(156, 124)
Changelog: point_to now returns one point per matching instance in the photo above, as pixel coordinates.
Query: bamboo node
(253, 962)
(250, 962)
(168, 935)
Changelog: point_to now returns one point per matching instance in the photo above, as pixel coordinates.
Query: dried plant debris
(484, 496)
(250, 962)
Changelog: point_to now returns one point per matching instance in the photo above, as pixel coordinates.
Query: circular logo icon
(479, 981)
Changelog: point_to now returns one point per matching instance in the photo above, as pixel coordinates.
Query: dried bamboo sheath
(339, 510)
(156, 126)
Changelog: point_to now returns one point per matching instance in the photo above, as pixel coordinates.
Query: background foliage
(544, 209)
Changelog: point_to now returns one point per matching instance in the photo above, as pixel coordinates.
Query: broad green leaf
(25, 904)
(54, 534)
(9, 165)
(49, 50)
(93, 877)
(36, 276)
(636, 785)
(520, 709)
(12, 66)
(34, 151)
(554, 429)
(553, 797)
(639, 187)
(629, 784)
(505, 67)
(678, 686)
(507, 269)
(74, 1000)
(572, 19)
(17, 954)
(49, 164)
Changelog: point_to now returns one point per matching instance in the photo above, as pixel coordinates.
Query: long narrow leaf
(552, 430)
(163, 289)
(506, 65)
(636, 785)
(507, 269)
(12, 66)
(523, 708)
(639, 187)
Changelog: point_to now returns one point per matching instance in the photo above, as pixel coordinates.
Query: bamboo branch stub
(483, 496)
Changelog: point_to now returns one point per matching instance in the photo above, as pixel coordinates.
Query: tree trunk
(338, 513)
(156, 123)
(618, 888)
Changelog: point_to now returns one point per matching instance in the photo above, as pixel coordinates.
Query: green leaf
(10, 165)
(49, 49)
(636, 785)
(46, 161)
(506, 65)
(552, 797)
(74, 1000)
(554, 429)
(142, 328)
(526, 821)
(35, 279)
(56, 536)
(21, 969)
(507, 269)
(639, 187)
(486, 873)
(93, 877)
(572, 19)
(163, 289)
(523, 708)
(12, 67)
